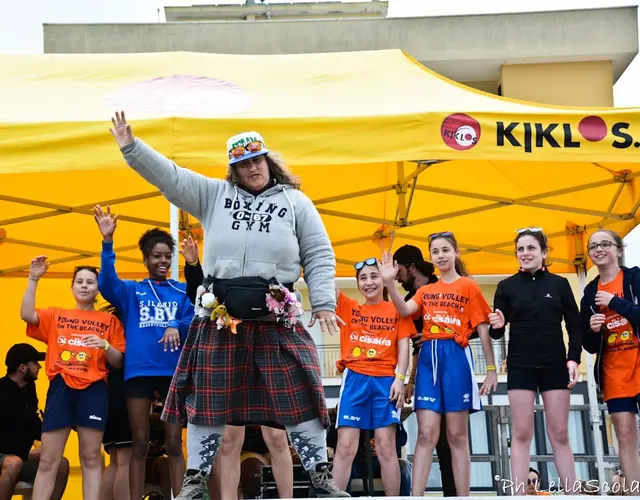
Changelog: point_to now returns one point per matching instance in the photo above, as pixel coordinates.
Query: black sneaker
(324, 485)
(193, 485)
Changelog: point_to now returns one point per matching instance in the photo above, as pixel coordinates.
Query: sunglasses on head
(240, 151)
(444, 234)
(529, 230)
(369, 262)
(86, 268)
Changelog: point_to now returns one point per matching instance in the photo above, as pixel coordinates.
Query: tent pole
(596, 423)
(174, 216)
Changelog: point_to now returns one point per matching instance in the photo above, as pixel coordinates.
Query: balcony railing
(330, 354)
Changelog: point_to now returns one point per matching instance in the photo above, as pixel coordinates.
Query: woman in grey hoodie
(248, 358)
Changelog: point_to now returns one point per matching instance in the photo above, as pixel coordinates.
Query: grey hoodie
(272, 234)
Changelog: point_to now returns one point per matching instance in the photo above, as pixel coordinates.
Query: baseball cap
(244, 146)
(20, 354)
(407, 255)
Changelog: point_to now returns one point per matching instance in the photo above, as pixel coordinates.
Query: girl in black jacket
(534, 302)
(610, 318)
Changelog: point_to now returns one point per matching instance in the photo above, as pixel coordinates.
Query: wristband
(401, 377)
(193, 263)
(33, 279)
(106, 346)
(491, 368)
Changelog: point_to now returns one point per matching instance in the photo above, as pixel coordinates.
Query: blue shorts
(445, 381)
(68, 408)
(622, 405)
(364, 402)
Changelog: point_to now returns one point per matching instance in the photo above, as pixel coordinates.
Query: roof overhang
(464, 48)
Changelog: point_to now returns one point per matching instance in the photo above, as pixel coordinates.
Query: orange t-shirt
(621, 353)
(451, 310)
(369, 339)
(63, 330)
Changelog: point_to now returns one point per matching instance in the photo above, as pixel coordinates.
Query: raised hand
(121, 130)
(106, 222)
(496, 319)
(189, 250)
(388, 268)
(38, 267)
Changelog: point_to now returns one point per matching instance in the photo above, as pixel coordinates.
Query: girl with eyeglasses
(374, 345)
(610, 328)
(451, 309)
(535, 302)
(80, 342)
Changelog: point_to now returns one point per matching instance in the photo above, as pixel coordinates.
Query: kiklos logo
(535, 135)
(460, 131)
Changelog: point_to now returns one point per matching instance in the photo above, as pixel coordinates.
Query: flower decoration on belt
(284, 304)
(207, 305)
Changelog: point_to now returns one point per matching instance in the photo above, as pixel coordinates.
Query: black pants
(444, 459)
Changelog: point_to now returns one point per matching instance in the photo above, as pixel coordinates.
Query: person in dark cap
(414, 272)
(20, 423)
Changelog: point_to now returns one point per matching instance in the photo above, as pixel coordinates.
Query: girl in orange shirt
(610, 327)
(374, 344)
(79, 341)
(451, 309)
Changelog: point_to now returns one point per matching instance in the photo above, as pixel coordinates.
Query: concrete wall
(463, 48)
(563, 84)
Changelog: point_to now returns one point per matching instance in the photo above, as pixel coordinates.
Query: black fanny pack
(245, 297)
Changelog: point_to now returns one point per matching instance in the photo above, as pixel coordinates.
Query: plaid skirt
(264, 373)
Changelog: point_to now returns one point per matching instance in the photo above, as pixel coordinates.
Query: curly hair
(278, 171)
(152, 237)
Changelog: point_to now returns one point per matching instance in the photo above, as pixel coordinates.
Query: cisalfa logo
(460, 131)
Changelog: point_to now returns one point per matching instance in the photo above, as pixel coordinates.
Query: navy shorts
(68, 408)
(621, 405)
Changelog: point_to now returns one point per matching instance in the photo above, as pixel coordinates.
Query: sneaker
(323, 483)
(193, 486)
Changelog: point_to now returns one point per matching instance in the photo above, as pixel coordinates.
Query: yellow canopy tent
(381, 144)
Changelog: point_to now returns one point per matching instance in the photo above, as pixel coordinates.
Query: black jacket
(20, 423)
(627, 307)
(534, 305)
(194, 276)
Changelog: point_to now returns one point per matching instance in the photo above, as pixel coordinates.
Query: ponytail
(461, 269)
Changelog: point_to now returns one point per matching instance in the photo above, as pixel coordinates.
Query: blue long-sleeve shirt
(148, 308)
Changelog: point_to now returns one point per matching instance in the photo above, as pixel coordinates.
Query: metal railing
(500, 419)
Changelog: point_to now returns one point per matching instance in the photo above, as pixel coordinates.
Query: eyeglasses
(369, 262)
(529, 230)
(605, 245)
(444, 234)
(240, 151)
(532, 481)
